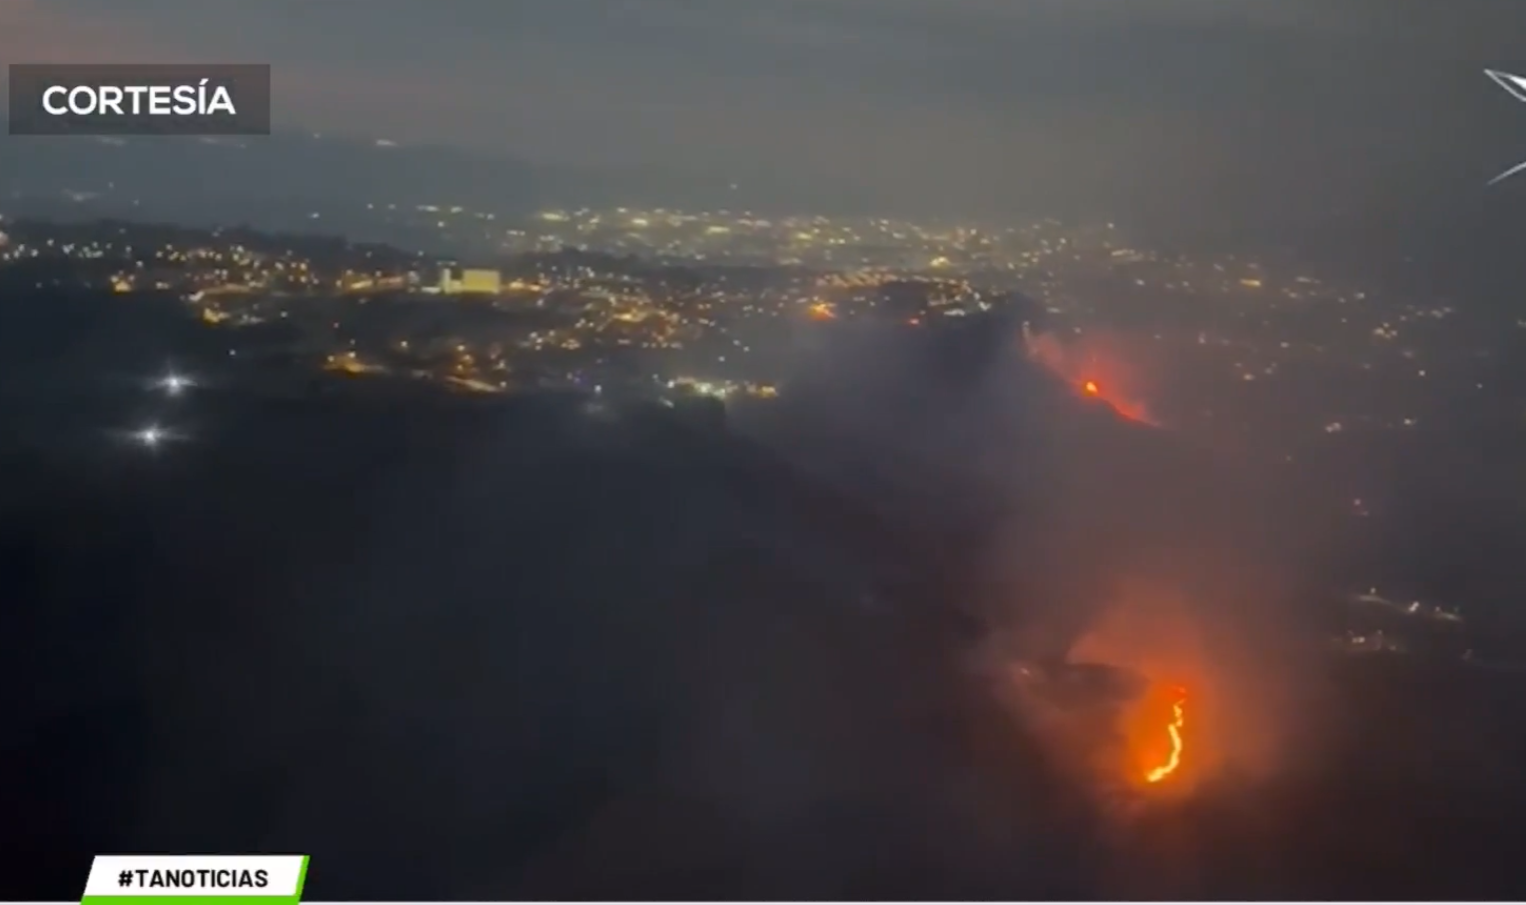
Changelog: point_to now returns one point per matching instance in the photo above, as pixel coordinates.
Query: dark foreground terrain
(527, 650)
(523, 653)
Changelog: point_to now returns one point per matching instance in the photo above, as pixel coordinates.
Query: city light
(152, 437)
(174, 384)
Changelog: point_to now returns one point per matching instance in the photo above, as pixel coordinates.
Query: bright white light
(175, 384)
(151, 437)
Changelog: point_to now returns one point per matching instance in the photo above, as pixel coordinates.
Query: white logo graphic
(1515, 86)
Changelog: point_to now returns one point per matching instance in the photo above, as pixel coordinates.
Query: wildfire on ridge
(1133, 410)
(1174, 730)
(1094, 370)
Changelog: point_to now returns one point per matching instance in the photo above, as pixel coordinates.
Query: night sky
(936, 106)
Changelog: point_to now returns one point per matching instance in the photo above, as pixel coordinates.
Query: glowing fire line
(1178, 720)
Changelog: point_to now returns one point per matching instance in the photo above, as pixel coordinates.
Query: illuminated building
(486, 282)
(471, 282)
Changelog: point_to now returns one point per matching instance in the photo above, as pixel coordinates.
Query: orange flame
(1174, 728)
(1086, 367)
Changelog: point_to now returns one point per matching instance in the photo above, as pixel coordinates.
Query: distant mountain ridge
(197, 179)
(200, 180)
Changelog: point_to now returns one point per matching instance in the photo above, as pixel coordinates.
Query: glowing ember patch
(1174, 729)
(1085, 369)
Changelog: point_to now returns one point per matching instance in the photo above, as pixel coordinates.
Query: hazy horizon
(900, 107)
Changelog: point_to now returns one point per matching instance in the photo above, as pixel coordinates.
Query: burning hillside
(1167, 764)
(1111, 724)
(1096, 370)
